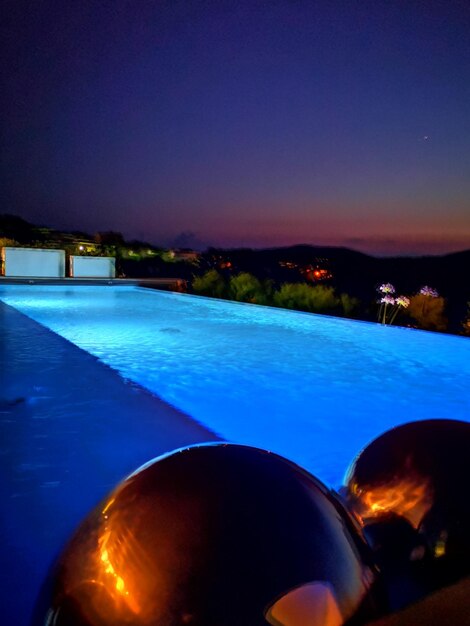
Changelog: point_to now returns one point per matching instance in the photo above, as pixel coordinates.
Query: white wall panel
(92, 266)
(33, 262)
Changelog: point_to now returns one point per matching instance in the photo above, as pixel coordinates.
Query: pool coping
(140, 282)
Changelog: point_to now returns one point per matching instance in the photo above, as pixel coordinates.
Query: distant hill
(18, 229)
(361, 271)
(359, 274)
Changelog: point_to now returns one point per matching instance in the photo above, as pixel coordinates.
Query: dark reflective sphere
(419, 471)
(213, 535)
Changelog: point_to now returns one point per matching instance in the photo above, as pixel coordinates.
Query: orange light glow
(111, 551)
(113, 576)
(409, 497)
(108, 505)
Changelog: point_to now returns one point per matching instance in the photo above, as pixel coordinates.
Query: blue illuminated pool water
(315, 389)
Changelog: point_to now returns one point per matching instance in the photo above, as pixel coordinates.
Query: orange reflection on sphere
(411, 497)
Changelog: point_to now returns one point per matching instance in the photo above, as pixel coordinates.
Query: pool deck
(446, 607)
(71, 428)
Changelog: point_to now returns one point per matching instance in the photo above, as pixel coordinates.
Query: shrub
(247, 288)
(428, 311)
(466, 322)
(349, 304)
(306, 298)
(210, 284)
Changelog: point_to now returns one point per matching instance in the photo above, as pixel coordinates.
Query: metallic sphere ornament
(215, 535)
(418, 472)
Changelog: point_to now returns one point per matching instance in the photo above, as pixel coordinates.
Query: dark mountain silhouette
(18, 229)
(359, 274)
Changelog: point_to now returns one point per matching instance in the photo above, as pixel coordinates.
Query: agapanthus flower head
(387, 299)
(428, 291)
(403, 301)
(386, 288)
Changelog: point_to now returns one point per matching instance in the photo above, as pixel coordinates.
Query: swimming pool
(312, 388)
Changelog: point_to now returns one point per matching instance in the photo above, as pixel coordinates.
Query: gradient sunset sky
(241, 123)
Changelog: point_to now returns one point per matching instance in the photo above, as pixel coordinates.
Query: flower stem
(392, 319)
(384, 314)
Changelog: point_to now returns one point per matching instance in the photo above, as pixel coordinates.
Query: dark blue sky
(244, 123)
